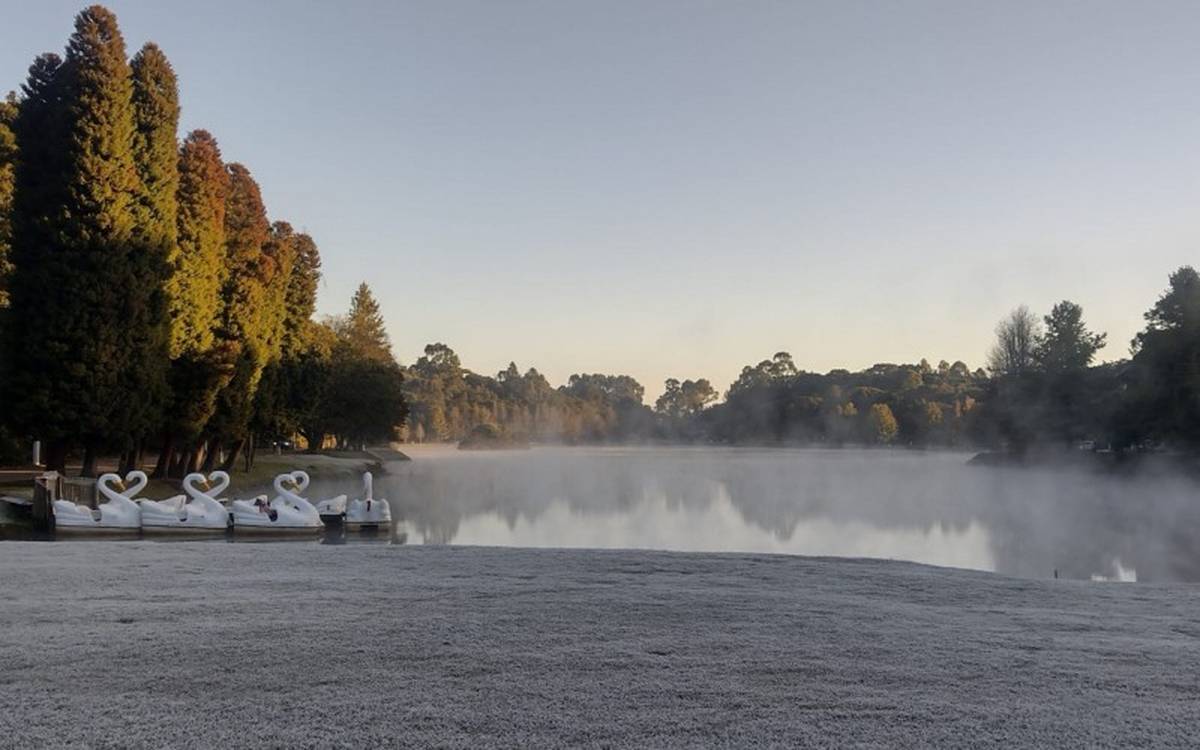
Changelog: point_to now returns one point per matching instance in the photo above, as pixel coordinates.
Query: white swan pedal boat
(357, 514)
(197, 512)
(118, 514)
(286, 513)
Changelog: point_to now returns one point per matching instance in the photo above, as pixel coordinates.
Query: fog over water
(928, 507)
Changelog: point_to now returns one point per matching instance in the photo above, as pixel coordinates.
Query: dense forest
(149, 306)
(147, 301)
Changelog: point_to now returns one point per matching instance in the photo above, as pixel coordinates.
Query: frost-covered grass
(107, 644)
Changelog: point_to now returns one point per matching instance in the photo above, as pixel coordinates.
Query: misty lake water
(928, 507)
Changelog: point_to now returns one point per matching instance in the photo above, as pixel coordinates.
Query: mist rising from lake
(923, 507)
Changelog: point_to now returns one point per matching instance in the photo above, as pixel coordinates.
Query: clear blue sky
(681, 188)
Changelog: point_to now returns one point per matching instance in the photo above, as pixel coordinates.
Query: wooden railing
(53, 486)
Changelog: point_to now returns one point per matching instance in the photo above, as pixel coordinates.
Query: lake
(928, 507)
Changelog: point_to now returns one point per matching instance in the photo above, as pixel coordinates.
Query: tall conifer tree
(156, 122)
(301, 293)
(75, 237)
(198, 268)
(242, 324)
(103, 190)
(200, 367)
(363, 330)
(270, 398)
(36, 307)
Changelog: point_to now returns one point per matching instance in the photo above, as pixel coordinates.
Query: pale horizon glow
(679, 189)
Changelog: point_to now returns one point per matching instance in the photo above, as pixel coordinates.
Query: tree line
(146, 300)
(1041, 389)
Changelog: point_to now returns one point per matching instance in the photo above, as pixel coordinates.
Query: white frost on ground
(300, 645)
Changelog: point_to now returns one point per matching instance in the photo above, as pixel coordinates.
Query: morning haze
(603, 374)
(679, 189)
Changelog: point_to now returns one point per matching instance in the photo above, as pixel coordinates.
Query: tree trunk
(89, 461)
(231, 460)
(251, 449)
(126, 464)
(55, 457)
(191, 461)
(210, 455)
(166, 455)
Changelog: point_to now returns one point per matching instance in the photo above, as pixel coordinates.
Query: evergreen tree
(199, 367)
(242, 322)
(1167, 359)
(285, 396)
(155, 152)
(155, 147)
(1067, 343)
(270, 406)
(301, 293)
(198, 268)
(278, 258)
(363, 330)
(75, 213)
(39, 188)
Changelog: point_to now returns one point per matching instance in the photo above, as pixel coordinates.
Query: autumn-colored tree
(881, 424)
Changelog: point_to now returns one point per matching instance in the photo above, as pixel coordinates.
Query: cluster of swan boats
(202, 510)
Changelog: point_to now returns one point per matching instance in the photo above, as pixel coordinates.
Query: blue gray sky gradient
(681, 188)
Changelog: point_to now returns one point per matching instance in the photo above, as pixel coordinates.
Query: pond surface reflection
(923, 507)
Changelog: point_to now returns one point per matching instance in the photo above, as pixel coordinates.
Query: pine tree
(199, 270)
(39, 188)
(156, 119)
(269, 399)
(155, 147)
(242, 325)
(103, 191)
(199, 369)
(362, 329)
(293, 384)
(301, 293)
(74, 236)
(279, 255)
